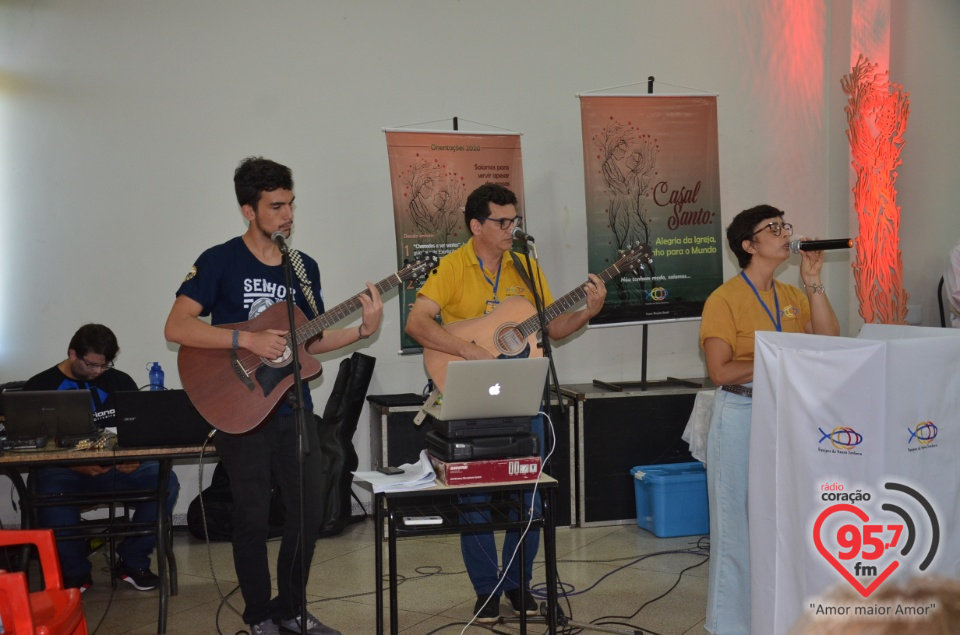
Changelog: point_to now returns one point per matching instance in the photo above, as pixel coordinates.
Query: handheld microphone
(280, 240)
(519, 234)
(797, 245)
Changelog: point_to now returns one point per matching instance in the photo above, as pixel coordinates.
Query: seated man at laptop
(470, 283)
(89, 366)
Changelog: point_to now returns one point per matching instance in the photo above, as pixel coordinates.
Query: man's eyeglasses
(93, 366)
(776, 228)
(505, 223)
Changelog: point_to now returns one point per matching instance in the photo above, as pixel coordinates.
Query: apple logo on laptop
(494, 390)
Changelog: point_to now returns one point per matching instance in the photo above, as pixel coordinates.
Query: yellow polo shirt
(733, 314)
(463, 292)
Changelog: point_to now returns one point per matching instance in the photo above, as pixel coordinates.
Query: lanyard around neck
(776, 321)
(495, 285)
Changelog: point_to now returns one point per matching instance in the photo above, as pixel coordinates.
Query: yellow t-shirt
(733, 314)
(463, 292)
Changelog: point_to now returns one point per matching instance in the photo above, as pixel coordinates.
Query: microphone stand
(303, 443)
(544, 339)
(549, 438)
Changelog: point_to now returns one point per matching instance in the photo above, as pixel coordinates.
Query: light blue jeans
(728, 451)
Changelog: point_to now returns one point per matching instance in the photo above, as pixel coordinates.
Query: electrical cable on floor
(701, 548)
(603, 620)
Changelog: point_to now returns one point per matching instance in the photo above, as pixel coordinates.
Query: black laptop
(157, 418)
(34, 416)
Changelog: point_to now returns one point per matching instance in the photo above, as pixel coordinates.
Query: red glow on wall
(877, 113)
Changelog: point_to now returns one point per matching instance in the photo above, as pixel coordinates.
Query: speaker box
(617, 431)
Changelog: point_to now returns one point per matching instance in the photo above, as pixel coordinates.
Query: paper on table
(415, 476)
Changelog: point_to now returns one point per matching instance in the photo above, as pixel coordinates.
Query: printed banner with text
(652, 175)
(431, 174)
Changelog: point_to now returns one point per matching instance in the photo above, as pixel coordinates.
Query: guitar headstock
(420, 267)
(638, 256)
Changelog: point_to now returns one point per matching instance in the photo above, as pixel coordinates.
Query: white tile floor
(612, 576)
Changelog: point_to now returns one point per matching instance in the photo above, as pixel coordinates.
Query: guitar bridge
(240, 371)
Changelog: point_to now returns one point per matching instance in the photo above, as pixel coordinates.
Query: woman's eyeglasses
(776, 228)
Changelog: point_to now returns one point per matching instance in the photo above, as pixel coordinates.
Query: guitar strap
(522, 271)
(305, 287)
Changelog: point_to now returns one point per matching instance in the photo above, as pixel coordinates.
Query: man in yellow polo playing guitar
(473, 282)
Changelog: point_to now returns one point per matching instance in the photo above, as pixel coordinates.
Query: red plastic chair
(53, 611)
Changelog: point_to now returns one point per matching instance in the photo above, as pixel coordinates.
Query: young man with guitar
(471, 284)
(240, 284)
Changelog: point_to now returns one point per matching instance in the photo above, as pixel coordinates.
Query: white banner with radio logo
(853, 474)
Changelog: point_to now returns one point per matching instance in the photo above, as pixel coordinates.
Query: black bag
(218, 505)
(336, 429)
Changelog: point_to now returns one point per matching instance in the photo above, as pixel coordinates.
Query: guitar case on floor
(336, 429)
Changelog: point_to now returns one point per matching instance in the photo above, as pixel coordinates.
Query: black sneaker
(82, 582)
(140, 579)
(530, 604)
(487, 609)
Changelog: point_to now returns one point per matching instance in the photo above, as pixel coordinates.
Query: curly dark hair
(741, 229)
(256, 175)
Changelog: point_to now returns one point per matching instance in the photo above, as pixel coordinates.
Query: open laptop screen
(486, 389)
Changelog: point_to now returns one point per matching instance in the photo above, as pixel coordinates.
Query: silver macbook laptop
(64, 415)
(491, 388)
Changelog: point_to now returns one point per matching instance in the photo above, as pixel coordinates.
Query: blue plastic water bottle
(156, 377)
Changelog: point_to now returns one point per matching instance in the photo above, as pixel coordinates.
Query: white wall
(121, 124)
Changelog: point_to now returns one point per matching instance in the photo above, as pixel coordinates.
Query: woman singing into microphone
(751, 301)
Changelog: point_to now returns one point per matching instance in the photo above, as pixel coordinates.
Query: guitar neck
(565, 303)
(331, 316)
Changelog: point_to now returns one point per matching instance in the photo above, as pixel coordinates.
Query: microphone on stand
(519, 234)
(797, 245)
(280, 240)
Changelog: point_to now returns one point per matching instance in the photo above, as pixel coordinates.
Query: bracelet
(817, 288)
(236, 339)
(360, 335)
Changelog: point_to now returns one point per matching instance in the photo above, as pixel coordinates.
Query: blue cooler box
(672, 499)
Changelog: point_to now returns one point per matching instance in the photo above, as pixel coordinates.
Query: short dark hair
(478, 203)
(741, 229)
(256, 175)
(97, 339)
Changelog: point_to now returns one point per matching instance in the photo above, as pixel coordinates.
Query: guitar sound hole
(509, 340)
(281, 361)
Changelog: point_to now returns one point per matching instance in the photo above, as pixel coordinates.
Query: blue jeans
(133, 550)
(728, 452)
(480, 548)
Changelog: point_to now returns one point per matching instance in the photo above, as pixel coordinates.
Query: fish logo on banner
(844, 440)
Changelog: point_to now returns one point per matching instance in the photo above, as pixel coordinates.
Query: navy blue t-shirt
(232, 285)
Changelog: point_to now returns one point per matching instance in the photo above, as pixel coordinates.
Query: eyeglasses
(776, 228)
(505, 223)
(93, 366)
